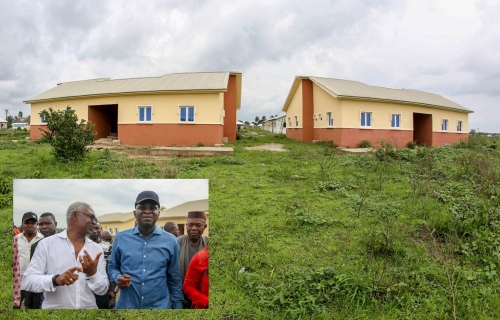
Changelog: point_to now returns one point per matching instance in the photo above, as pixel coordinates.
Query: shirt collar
(64, 234)
(37, 235)
(156, 230)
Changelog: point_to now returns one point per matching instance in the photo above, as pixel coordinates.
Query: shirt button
(143, 270)
(145, 242)
(143, 297)
(143, 283)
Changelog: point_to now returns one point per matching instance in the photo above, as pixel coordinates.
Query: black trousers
(102, 301)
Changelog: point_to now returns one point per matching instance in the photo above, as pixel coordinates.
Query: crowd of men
(83, 267)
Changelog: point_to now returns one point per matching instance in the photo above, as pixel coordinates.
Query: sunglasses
(92, 217)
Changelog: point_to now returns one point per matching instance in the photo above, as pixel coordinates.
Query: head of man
(195, 225)
(96, 232)
(147, 209)
(47, 224)
(81, 218)
(106, 236)
(172, 228)
(30, 222)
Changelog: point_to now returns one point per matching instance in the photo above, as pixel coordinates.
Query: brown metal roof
(176, 82)
(355, 90)
(182, 209)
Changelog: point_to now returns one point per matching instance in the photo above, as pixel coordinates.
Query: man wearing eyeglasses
(191, 243)
(144, 262)
(68, 267)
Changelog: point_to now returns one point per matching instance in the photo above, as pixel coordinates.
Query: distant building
(182, 109)
(275, 125)
(3, 123)
(117, 222)
(348, 112)
(22, 123)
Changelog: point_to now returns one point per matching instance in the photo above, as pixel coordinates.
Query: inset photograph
(111, 244)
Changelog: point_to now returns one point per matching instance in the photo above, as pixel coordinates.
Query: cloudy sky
(448, 47)
(104, 195)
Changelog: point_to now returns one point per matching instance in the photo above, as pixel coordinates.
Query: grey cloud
(271, 42)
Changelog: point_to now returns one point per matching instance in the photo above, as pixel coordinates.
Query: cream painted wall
(382, 114)
(131, 223)
(323, 103)
(36, 108)
(208, 107)
(295, 108)
(221, 107)
(120, 225)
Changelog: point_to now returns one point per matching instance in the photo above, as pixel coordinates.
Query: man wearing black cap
(47, 225)
(144, 262)
(25, 240)
(191, 243)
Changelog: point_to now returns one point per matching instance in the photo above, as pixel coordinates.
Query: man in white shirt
(68, 267)
(25, 239)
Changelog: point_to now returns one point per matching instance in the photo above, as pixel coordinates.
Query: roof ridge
(86, 80)
(153, 77)
(338, 79)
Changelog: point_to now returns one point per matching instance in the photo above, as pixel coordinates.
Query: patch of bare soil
(268, 147)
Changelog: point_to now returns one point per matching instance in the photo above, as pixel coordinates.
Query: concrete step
(180, 151)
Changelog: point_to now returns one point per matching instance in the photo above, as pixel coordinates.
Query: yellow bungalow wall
(131, 223)
(295, 108)
(209, 107)
(382, 114)
(323, 103)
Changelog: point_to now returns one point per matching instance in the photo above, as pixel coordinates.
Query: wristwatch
(54, 283)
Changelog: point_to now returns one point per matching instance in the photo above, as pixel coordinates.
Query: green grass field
(397, 234)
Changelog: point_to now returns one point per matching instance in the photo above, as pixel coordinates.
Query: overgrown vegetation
(312, 234)
(68, 137)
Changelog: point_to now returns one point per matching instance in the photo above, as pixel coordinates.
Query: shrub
(68, 137)
(411, 144)
(327, 144)
(386, 152)
(364, 144)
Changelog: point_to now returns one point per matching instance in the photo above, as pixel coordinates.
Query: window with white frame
(459, 126)
(145, 113)
(396, 121)
(296, 121)
(289, 122)
(444, 125)
(42, 119)
(329, 118)
(186, 113)
(366, 119)
(320, 117)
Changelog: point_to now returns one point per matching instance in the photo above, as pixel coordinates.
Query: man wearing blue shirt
(144, 262)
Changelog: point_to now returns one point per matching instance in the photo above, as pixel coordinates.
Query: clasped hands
(89, 267)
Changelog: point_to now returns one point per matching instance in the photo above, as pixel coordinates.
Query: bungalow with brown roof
(116, 222)
(182, 109)
(348, 112)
